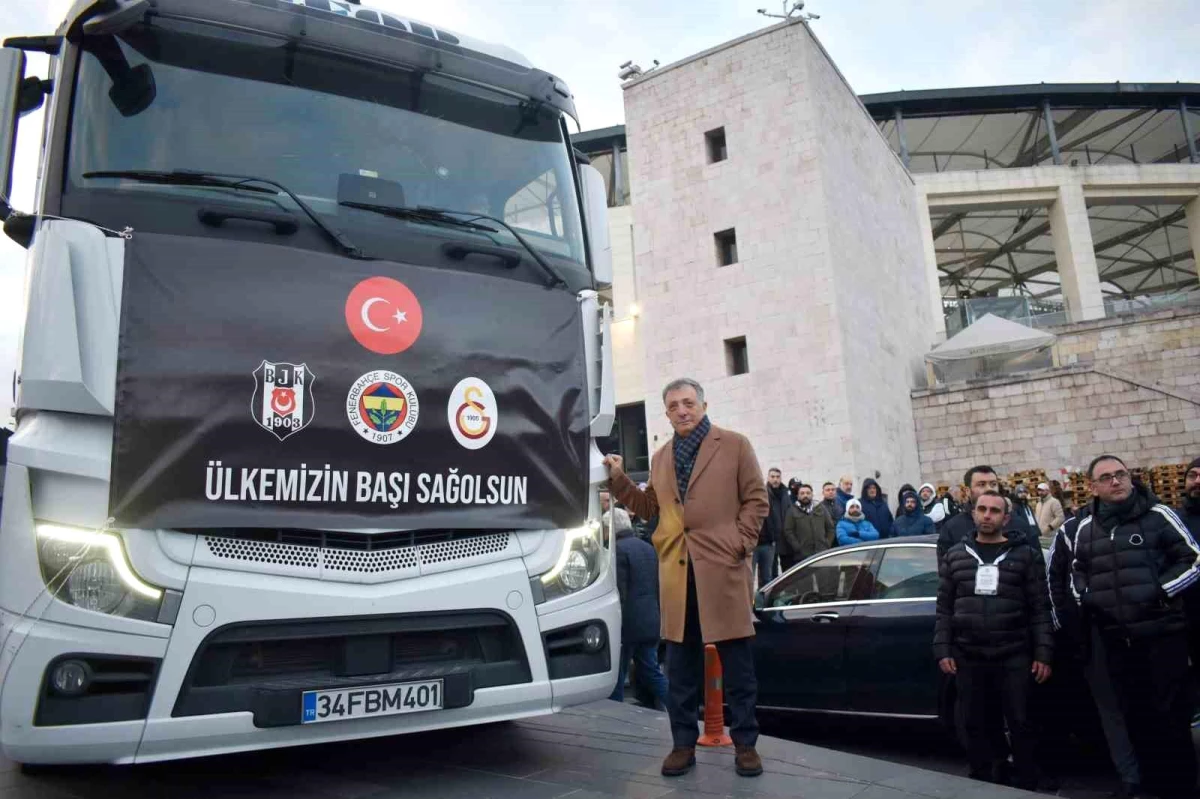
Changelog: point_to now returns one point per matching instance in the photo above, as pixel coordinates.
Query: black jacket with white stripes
(1064, 611)
(1129, 570)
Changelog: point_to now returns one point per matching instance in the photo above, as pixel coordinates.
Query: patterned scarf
(686, 450)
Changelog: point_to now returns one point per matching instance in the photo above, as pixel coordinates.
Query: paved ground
(602, 750)
(1086, 775)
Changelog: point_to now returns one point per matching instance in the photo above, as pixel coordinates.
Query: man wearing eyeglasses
(1133, 559)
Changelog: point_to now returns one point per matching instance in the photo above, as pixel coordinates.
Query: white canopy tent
(990, 347)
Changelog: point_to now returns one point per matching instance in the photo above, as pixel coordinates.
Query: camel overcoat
(716, 525)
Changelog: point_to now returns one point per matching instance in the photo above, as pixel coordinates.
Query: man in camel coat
(706, 489)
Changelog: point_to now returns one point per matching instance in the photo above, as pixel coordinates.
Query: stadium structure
(1003, 170)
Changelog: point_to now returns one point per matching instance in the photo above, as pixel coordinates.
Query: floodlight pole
(1049, 119)
(1187, 131)
(904, 156)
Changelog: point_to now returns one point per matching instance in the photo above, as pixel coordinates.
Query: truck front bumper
(242, 645)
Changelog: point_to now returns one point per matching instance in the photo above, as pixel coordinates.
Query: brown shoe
(747, 762)
(679, 762)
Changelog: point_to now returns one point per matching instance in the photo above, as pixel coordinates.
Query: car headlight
(579, 563)
(88, 569)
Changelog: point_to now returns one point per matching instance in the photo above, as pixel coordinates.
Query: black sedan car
(850, 631)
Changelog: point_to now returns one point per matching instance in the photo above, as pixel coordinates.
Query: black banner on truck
(262, 386)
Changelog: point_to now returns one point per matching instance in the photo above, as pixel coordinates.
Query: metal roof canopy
(1140, 249)
(992, 99)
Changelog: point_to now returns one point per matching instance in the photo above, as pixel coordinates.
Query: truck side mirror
(595, 210)
(12, 74)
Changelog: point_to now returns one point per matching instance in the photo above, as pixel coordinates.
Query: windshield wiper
(188, 177)
(446, 216)
(420, 214)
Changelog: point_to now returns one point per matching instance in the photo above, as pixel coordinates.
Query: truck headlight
(88, 569)
(579, 563)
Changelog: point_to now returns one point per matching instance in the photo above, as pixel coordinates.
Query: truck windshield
(328, 127)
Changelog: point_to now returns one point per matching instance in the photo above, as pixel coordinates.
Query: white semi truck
(311, 370)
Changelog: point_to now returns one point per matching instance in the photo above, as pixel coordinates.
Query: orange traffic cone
(714, 714)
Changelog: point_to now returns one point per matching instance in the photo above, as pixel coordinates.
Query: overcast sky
(880, 45)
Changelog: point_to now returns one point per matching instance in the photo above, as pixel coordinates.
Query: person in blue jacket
(875, 507)
(912, 519)
(855, 528)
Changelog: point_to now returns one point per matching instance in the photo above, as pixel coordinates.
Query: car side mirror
(12, 75)
(760, 600)
(595, 211)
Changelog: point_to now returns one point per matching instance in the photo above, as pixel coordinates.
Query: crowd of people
(1047, 615)
(798, 526)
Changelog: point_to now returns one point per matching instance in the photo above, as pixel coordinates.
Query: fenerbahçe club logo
(472, 413)
(282, 403)
(382, 407)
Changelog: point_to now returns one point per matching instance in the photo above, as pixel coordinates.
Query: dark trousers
(645, 660)
(685, 680)
(991, 693)
(786, 562)
(764, 563)
(1150, 677)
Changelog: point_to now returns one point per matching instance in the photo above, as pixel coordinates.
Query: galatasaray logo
(472, 413)
(382, 407)
(282, 403)
(383, 315)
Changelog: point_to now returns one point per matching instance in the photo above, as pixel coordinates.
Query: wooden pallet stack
(1078, 489)
(1029, 478)
(1167, 483)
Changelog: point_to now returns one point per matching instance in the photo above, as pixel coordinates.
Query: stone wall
(628, 354)
(793, 129)
(1127, 387)
(879, 280)
(1163, 348)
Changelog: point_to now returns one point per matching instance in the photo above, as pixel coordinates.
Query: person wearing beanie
(936, 511)
(1049, 513)
(855, 528)
(1189, 511)
(910, 520)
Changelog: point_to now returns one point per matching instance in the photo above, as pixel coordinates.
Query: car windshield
(179, 96)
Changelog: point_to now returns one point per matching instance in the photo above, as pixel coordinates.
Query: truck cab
(311, 372)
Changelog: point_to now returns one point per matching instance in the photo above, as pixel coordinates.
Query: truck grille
(357, 553)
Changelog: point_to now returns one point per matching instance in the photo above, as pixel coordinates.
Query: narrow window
(715, 141)
(737, 361)
(726, 241)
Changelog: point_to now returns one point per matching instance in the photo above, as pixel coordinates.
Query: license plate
(371, 700)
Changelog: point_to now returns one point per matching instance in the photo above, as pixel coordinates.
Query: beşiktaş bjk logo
(382, 407)
(283, 402)
(472, 413)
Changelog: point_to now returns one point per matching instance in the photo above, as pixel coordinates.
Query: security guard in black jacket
(1133, 559)
(993, 630)
(953, 529)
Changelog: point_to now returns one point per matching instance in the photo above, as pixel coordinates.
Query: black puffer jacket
(1129, 568)
(637, 584)
(1015, 620)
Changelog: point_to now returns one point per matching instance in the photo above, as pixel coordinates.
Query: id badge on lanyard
(987, 575)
